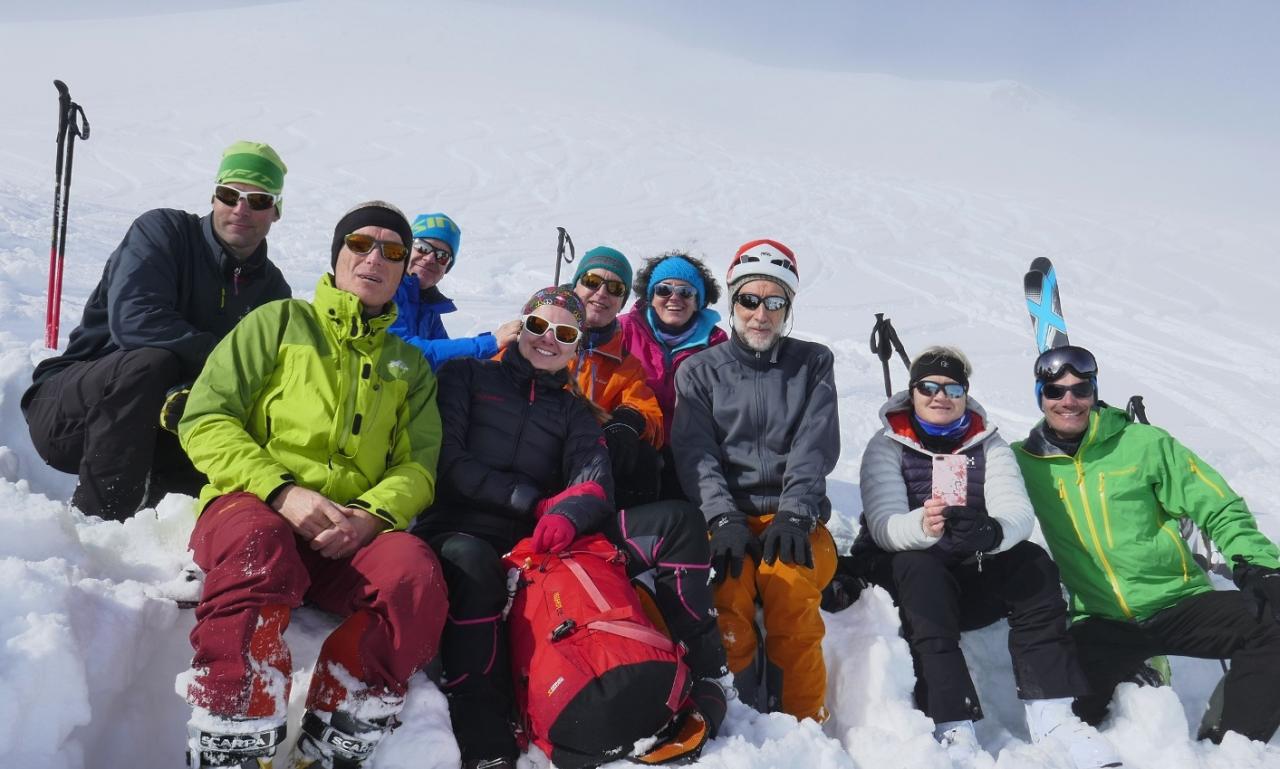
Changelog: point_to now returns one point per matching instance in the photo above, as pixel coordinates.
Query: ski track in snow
(1176, 307)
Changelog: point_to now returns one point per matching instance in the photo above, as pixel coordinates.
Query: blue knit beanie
(440, 227)
(679, 268)
(605, 258)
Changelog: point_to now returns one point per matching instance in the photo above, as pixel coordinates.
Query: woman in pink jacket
(671, 320)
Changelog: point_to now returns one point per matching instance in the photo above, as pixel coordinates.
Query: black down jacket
(513, 435)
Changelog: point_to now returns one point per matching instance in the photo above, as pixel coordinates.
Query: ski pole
(884, 342)
(1137, 411)
(560, 256)
(69, 127)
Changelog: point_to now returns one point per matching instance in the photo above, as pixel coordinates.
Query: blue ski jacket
(418, 323)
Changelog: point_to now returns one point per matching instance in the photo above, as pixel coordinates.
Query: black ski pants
(937, 600)
(1214, 625)
(100, 420)
(667, 550)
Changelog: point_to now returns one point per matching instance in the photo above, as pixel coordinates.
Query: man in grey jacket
(170, 291)
(755, 434)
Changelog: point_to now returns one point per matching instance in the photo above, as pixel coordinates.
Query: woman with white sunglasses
(523, 455)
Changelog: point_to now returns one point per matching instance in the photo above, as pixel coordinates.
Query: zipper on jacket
(1181, 547)
(1195, 470)
(759, 430)
(1106, 510)
(235, 281)
(1093, 533)
(1071, 512)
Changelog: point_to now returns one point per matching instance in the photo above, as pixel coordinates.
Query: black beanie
(375, 213)
(939, 364)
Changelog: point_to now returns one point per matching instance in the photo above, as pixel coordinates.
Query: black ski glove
(622, 432)
(1262, 582)
(709, 698)
(968, 530)
(175, 402)
(731, 542)
(787, 538)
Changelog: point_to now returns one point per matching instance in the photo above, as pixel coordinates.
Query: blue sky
(1195, 65)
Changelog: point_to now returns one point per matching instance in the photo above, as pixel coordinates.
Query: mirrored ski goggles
(361, 244)
(953, 390)
(426, 248)
(665, 290)
(752, 301)
(1055, 361)
(1056, 392)
(564, 333)
(230, 197)
(592, 281)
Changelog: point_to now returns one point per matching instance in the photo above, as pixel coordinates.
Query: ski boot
(341, 742)
(233, 749)
(1051, 721)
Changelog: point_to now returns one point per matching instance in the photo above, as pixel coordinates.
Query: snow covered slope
(925, 200)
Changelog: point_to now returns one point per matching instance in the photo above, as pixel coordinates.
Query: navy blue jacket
(169, 284)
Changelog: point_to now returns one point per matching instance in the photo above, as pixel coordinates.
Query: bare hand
(366, 525)
(934, 519)
(507, 333)
(312, 514)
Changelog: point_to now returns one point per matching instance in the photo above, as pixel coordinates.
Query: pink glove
(553, 534)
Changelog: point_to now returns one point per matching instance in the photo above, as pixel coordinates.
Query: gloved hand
(553, 534)
(710, 700)
(969, 530)
(731, 542)
(1263, 582)
(787, 538)
(622, 433)
(175, 402)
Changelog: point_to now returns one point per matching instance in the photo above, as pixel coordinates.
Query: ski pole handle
(563, 240)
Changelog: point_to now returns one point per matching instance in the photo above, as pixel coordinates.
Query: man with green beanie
(420, 303)
(175, 285)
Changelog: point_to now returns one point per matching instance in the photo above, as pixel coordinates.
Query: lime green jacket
(312, 393)
(1110, 516)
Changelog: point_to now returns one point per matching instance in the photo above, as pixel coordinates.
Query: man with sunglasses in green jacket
(1109, 494)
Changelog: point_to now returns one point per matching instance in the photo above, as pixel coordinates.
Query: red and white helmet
(765, 259)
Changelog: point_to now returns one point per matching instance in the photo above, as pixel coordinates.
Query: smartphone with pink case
(951, 478)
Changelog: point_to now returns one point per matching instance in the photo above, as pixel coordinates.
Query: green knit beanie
(253, 163)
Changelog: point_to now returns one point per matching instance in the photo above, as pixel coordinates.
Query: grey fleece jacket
(757, 432)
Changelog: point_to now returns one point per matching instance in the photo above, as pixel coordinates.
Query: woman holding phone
(945, 524)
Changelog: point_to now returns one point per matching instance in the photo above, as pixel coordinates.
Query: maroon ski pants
(257, 570)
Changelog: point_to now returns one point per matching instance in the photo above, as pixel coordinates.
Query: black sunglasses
(425, 248)
(1056, 392)
(928, 389)
(752, 301)
(230, 197)
(592, 281)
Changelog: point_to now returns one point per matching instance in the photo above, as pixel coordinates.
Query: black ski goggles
(1057, 361)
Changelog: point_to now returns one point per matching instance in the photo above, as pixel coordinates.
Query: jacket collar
(523, 373)
(754, 358)
(894, 415)
(1104, 423)
(432, 297)
(344, 312)
(603, 341)
(227, 261)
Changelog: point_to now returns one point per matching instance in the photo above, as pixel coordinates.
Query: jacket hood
(900, 403)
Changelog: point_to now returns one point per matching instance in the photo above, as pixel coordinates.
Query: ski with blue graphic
(1040, 285)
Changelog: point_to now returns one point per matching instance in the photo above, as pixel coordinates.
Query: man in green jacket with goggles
(1109, 495)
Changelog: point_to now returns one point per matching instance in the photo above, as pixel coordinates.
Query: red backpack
(592, 674)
